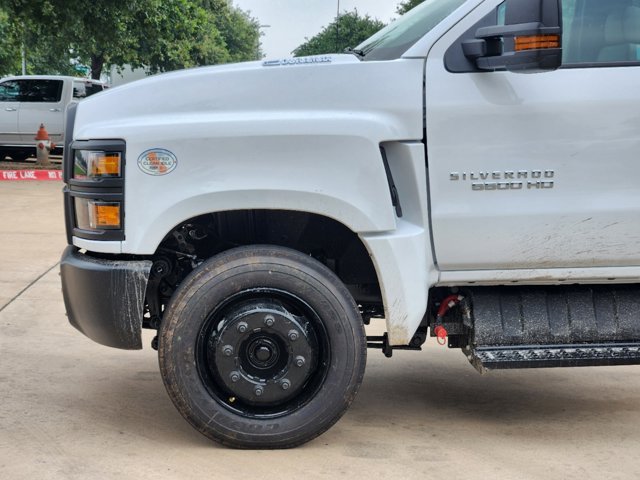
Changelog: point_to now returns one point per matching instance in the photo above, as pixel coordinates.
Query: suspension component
(447, 304)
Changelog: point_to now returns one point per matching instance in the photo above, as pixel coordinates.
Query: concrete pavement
(72, 409)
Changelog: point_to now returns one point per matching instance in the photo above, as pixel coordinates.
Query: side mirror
(529, 41)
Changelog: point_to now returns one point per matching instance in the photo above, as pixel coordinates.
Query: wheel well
(200, 238)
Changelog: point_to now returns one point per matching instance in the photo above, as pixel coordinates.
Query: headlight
(94, 171)
(93, 164)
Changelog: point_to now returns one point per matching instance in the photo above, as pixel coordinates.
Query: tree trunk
(97, 62)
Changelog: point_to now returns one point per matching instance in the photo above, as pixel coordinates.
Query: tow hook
(447, 304)
(441, 334)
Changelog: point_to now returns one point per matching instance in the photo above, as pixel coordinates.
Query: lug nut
(293, 335)
(285, 384)
(269, 320)
(242, 327)
(227, 350)
(300, 361)
(235, 376)
(258, 391)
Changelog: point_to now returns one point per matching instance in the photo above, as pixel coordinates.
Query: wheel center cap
(263, 353)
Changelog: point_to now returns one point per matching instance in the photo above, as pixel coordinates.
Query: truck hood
(389, 93)
(262, 85)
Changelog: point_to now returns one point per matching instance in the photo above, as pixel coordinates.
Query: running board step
(539, 356)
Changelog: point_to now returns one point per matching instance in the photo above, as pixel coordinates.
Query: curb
(9, 175)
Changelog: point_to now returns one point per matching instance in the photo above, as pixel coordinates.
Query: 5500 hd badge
(506, 180)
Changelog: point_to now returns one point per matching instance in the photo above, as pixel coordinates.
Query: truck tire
(262, 347)
(19, 155)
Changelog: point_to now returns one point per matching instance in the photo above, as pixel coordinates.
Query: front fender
(335, 175)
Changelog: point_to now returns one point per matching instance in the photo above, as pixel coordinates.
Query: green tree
(173, 34)
(18, 31)
(9, 46)
(407, 5)
(348, 31)
(158, 35)
(240, 31)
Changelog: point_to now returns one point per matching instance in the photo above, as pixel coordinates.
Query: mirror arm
(509, 30)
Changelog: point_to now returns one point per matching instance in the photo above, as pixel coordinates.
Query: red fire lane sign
(30, 175)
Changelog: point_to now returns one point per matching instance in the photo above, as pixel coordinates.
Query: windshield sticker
(157, 161)
(296, 61)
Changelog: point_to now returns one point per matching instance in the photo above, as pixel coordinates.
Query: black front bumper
(105, 298)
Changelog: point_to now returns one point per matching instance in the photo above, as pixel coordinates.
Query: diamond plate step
(539, 356)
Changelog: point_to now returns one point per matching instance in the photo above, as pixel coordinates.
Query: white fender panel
(399, 258)
(335, 175)
(402, 258)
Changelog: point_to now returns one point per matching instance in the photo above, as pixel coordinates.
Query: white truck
(30, 100)
(469, 173)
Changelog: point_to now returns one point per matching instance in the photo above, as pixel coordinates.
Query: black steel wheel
(262, 347)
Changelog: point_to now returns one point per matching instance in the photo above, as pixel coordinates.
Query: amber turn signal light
(105, 165)
(89, 164)
(104, 215)
(536, 42)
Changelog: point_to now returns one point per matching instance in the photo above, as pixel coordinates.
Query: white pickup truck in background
(30, 100)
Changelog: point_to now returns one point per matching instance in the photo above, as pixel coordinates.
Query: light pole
(338, 28)
(260, 27)
(23, 50)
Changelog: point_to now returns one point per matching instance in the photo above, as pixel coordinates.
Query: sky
(292, 20)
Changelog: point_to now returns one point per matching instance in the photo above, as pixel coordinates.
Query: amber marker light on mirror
(536, 42)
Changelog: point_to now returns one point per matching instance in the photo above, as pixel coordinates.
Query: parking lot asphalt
(72, 409)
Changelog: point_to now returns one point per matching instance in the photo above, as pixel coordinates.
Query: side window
(79, 90)
(93, 88)
(9, 91)
(86, 89)
(601, 32)
(41, 91)
(502, 13)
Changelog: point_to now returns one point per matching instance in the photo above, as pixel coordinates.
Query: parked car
(27, 101)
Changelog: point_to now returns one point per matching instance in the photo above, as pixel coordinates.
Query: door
(539, 170)
(9, 106)
(41, 103)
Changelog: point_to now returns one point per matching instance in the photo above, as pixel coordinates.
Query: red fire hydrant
(43, 145)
